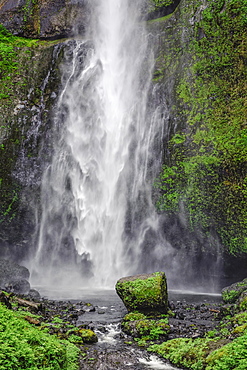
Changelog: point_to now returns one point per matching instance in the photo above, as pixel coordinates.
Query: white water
(96, 193)
(110, 335)
(155, 363)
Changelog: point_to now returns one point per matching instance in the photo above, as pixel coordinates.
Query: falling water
(96, 193)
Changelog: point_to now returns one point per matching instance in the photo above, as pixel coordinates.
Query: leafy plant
(26, 347)
(205, 173)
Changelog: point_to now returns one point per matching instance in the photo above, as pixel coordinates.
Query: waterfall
(96, 206)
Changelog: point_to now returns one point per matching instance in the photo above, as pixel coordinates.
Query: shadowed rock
(43, 19)
(14, 277)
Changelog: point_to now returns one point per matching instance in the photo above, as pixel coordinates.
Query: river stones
(145, 293)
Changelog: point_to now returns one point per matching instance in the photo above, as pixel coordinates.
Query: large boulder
(144, 293)
(14, 277)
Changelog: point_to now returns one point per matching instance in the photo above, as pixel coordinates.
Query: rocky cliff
(201, 63)
(47, 19)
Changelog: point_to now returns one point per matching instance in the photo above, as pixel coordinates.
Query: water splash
(96, 193)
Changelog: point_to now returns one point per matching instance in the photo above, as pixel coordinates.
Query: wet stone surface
(193, 320)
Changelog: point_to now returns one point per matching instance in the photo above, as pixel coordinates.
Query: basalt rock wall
(200, 78)
(51, 19)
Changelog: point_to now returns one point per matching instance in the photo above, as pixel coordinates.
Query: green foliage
(12, 81)
(140, 326)
(243, 302)
(229, 357)
(184, 351)
(230, 296)
(133, 316)
(87, 335)
(224, 348)
(26, 347)
(195, 354)
(232, 293)
(9, 45)
(162, 3)
(207, 167)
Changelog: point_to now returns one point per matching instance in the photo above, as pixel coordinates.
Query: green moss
(19, 73)
(184, 351)
(230, 356)
(162, 3)
(133, 316)
(230, 296)
(144, 328)
(9, 60)
(201, 354)
(26, 347)
(87, 335)
(161, 19)
(224, 348)
(144, 293)
(206, 170)
(233, 292)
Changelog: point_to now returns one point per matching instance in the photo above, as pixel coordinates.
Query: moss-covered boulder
(144, 293)
(88, 336)
(231, 293)
(140, 326)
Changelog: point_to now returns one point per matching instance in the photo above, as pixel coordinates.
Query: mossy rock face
(140, 326)
(231, 293)
(50, 19)
(144, 293)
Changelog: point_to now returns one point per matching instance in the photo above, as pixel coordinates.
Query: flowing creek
(113, 351)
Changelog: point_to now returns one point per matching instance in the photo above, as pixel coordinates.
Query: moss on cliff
(206, 166)
(24, 103)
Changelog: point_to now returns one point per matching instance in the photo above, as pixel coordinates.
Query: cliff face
(30, 80)
(43, 18)
(200, 84)
(201, 72)
(27, 98)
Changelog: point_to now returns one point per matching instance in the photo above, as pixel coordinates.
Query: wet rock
(20, 286)
(33, 293)
(11, 270)
(193, 320)
(144, 293)
(4, 299)
(13, 277)
(138, 325)
(43, 19)
(162, 10)
(88, 308)
(231, 293)
(87, 335)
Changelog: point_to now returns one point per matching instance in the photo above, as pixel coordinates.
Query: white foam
(155, 363)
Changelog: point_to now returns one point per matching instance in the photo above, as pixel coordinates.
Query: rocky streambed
(93, 322)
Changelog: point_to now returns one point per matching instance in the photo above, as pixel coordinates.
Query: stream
(115, 350)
